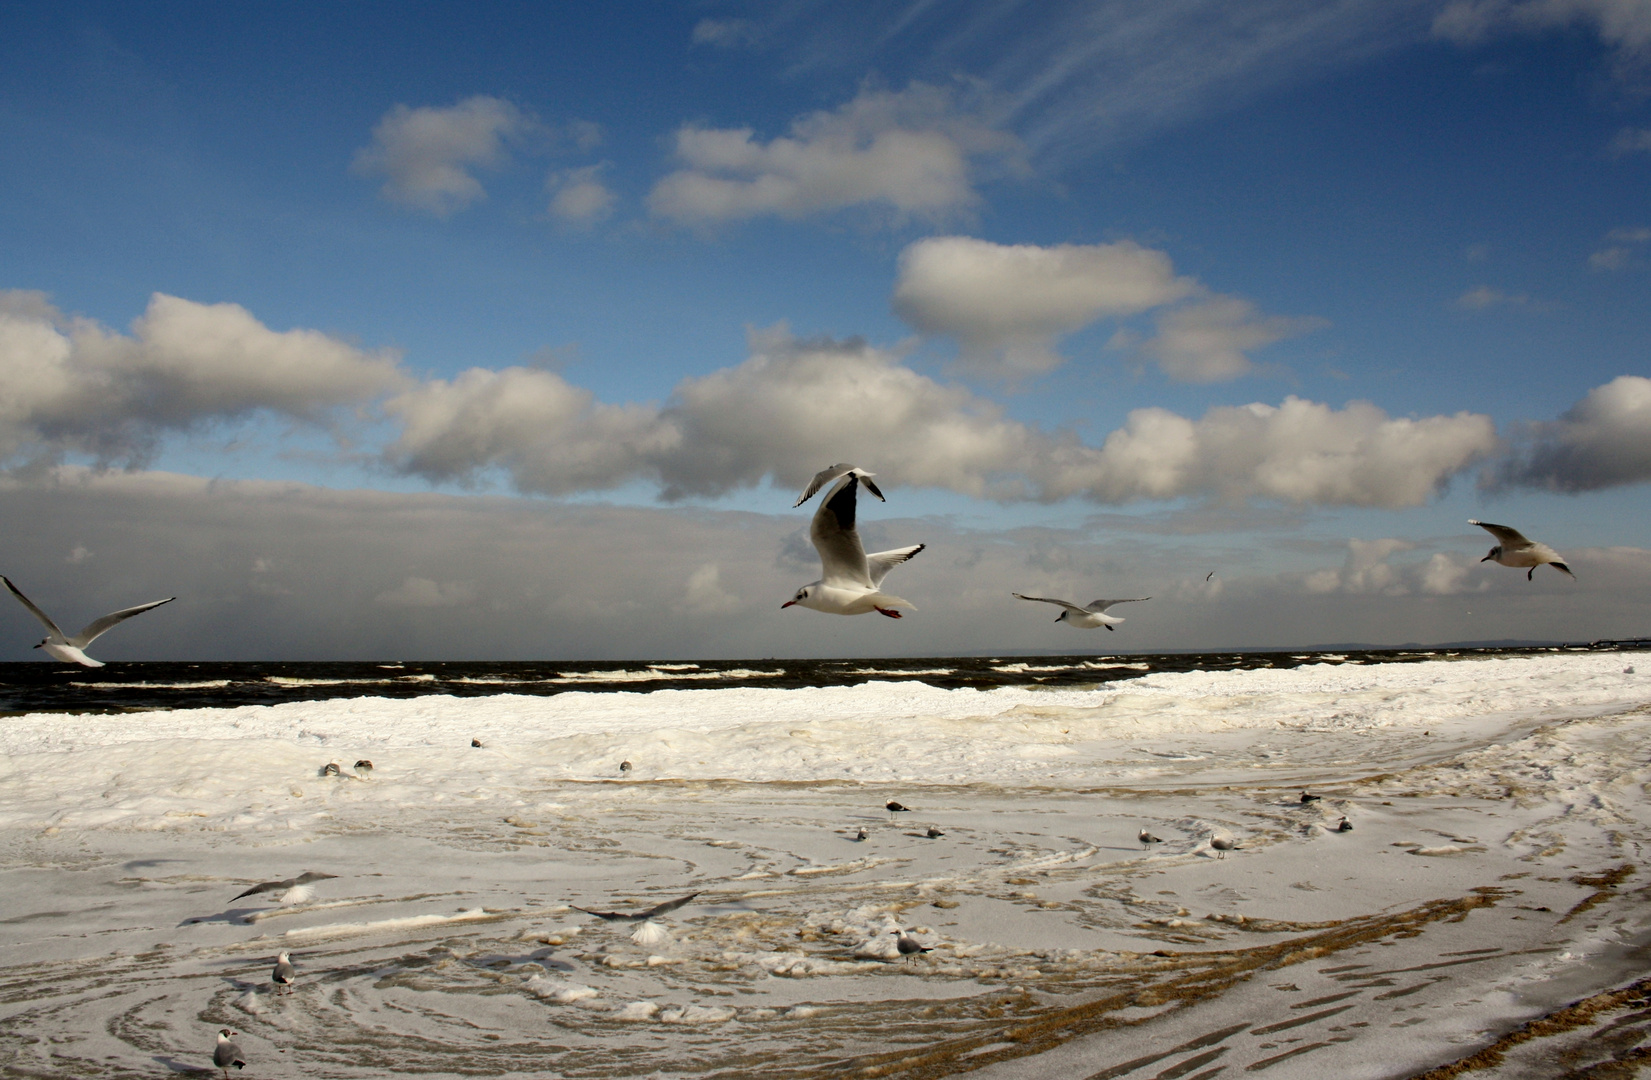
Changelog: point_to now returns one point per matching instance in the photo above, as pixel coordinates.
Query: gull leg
(889, 612)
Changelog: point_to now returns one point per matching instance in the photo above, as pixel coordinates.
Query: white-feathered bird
(1087, 617)
(227, 1053)
(284, 974)
(61, 646)
(1512, 549)
(851, 581)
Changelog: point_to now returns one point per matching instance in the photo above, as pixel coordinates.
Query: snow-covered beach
(1493, 873)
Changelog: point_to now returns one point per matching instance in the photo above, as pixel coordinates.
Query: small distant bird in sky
(227, 1053)
(1512, 549)
(851, 582)
(61, 646)
(1209, 575)
(1307, 797)
(1344, 825)
(284, 973)
(364, 768)
(639, 916)
(934, 833)
(908, 945)
(290, 885)
(895, 808)
(1089, 616)
(1147, 839)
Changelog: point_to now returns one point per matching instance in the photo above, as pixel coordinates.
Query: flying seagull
(639, 916)
(1512, 549)
(851, 581)
(1088, 617)
(284, 973)
(227, 1053)
(60, 646)
(290, 885)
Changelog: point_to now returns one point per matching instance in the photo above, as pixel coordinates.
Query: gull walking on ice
(895, 808)
(227, 1053)
(1512, 549)
(1309, 797)
(908, 945)
(69, 649)
(851, 581)
(863, 833)
(934, 833)
(364, 768)
(284, 973)
(1344, 825)
(1147, 839)
(294, 890)
(1087, 617)
(1222, 841)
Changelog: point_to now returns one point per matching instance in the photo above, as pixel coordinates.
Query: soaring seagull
(851, 581)
(60, 646)
(1087, 617)
(1512, 549)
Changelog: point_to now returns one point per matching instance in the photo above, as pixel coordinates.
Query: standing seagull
(1147, 839)
(1087, 617)
(284, 973)
(908, 945)
(1512, 549)
(60, 646)
(227, 1053)
(851, 581)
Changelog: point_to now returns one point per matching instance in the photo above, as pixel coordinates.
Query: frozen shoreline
(1488, 784)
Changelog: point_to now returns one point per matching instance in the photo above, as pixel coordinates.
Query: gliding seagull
(60, 646)
(1512, 549)
(1087, 617)
(851, 581)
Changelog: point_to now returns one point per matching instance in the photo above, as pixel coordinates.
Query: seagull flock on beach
(850, 583)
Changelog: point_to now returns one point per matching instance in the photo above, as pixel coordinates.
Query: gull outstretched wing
(842, 558)
(1096, 607)
(830, 473)
(96, 628)
(41, 615)
(1049, 600)
(1508, 538)
(883, 561)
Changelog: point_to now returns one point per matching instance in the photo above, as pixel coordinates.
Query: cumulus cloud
(579, 197)
(1210, 341)
(1008, 304)
(1624, 26)
(1005, 304)
(704, 594)
(426, 155)
(911, 153)
(1367, 570)
(795, 404)
(73, 385)
(1602, 441)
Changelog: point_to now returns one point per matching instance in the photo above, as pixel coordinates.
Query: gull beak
(38, 646)
(1487, 558)
(783, 606)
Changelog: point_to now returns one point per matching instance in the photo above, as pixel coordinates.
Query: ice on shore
(1499, 807)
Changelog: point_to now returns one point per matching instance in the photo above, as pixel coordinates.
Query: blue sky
(1090, 285)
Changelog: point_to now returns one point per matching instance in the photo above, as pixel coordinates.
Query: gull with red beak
(851, 581)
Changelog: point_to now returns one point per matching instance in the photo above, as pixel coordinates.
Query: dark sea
(124, 687)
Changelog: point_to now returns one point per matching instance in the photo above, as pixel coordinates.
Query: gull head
(1494, 552)
(801, 598)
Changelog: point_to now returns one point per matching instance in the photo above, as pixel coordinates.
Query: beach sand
(1495, 873)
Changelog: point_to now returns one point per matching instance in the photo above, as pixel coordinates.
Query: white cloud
(73, 385)
(418, 592)
(1602, 441)
(1209, 341)
(427, 154)
(1007, 303)
(1622, 25)
(1631, 141)
(1620, 254)
(580, 197)
(724, 33)
(704, 594)
(1481, 297)
(912, 153)
(796, 404)
(1367, 570)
